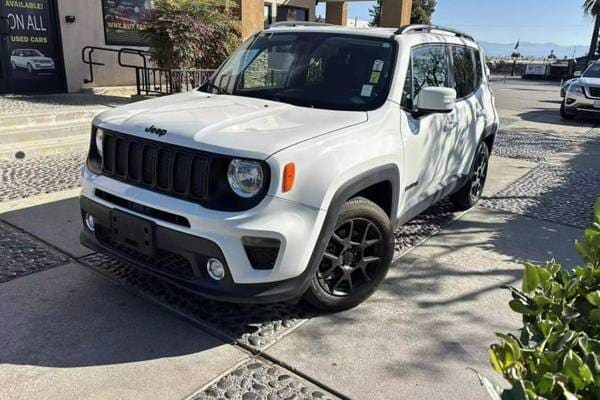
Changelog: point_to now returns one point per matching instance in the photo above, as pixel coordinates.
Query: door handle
(451, 124)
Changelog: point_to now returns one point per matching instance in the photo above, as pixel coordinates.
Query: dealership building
(41, 41)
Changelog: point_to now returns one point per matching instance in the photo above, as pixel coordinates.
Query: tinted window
(592, 72)
(478, 68)
(429, 67)
(464, 71)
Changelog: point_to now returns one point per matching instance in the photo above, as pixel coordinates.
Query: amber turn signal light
(289, 174)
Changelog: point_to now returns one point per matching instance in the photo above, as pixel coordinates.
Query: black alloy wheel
(479, 173)
(356, 259)
(470, 193)
(352, 257)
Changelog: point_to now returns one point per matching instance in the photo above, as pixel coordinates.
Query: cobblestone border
(258, 380)
(23, 255)
(551, 193)
(20, 179)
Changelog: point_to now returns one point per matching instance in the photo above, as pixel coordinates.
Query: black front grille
(173, 170)
(595, 91)
(163, 260)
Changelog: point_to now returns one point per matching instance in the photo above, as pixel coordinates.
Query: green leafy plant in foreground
(556, 354)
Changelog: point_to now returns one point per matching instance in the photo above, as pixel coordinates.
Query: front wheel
(564, 113)
(30, 68)
(470, 193)
(356, 259)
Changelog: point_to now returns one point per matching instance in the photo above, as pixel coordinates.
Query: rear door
(428, 139)
(470, 110)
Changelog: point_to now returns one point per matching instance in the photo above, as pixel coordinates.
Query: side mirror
(488, 73)
(436, 100)
(577, 74)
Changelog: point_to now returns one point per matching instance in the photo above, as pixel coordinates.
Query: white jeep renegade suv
(284, 176)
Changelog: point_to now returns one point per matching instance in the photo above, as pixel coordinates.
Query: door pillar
(395, 13)
(336, 13)
(251, 16)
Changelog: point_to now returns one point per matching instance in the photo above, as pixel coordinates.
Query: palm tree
(592, 7)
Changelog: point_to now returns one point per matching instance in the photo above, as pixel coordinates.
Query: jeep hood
(231, 125)
(588, 81)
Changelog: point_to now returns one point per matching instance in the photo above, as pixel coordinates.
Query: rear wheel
(356, 260)
(468, 195)
(564, 113)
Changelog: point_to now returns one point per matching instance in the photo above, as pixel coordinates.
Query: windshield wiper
(218, 88)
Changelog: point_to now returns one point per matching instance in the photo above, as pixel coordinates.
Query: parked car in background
(30, 59)
(582, 93)
(285, 175)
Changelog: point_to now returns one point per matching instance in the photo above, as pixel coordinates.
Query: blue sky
(506, 21)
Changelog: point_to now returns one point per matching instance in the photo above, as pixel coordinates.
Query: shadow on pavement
(70, 317)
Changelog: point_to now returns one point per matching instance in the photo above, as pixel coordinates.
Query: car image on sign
(31, 59)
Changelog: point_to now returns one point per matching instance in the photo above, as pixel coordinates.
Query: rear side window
(429, 66)
(465, 81)
(478, 68)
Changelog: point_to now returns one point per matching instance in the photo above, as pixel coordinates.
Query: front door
(30, 55)
(428, 139)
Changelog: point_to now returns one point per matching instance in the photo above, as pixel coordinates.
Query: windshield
(592, 72)
(321, 70)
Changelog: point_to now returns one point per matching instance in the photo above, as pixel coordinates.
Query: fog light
(89, 222)
(215, 268)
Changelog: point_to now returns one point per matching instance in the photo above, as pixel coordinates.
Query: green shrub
(188, 34)
(556, 354)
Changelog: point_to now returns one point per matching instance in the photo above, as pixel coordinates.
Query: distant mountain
(537, 50)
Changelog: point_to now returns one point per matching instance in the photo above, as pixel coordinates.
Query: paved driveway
(80, 325)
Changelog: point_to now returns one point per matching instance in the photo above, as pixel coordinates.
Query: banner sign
(33, 47)
(535, 69)
(124, 21)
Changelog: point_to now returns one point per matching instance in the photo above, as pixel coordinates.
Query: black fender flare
(384, 173)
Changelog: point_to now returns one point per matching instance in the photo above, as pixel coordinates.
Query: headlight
(576, 89)
(245, 177)
(99, 139)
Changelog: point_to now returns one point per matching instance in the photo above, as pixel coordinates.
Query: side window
(464, 71)
(478, 68)
(429, 67)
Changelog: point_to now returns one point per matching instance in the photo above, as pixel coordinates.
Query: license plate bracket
(133, 232)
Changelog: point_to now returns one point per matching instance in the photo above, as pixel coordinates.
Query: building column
(336, 13)
(251, 16)
(395, 13)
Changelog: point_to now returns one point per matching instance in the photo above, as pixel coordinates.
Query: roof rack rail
(291, 24)
(429, 28)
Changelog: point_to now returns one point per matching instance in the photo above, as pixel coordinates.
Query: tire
(14, 66)
(29, 68)
(564, 114)
(356, 260)
(470, 193)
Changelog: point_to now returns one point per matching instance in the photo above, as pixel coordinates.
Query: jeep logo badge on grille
(157, 131)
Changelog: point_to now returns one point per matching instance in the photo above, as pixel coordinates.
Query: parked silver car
(583, 93)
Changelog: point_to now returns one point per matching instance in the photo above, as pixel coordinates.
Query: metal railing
(160, 81)
(150, 81)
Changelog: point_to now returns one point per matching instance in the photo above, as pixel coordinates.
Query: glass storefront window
(289, 13)
(124, 21)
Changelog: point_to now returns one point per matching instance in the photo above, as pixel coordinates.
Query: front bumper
(183, 250)
(580, 102)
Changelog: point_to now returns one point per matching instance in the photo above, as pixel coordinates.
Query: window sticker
(375, 77)
(366, 90)
(378, 65)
